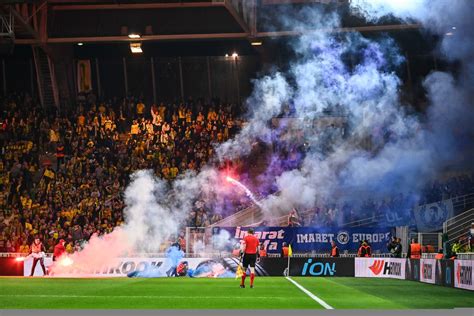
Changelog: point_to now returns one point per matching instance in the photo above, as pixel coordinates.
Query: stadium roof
(70, 21)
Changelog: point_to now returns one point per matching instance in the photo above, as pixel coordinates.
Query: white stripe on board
(314, 297)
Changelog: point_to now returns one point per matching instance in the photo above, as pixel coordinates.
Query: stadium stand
(59, 178)
(61, 175)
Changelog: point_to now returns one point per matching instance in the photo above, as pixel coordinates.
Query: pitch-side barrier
(449, 273)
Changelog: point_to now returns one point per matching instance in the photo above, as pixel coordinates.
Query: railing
(429, 239)
(458, 226)
(463, 203)
(247, 216)
(466, 256)
(365, 221)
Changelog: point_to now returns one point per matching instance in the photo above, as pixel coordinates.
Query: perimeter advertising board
(428, 270)
(463, 275)
(119, 267)
(322, 267)
(380, 268)
(317, 239)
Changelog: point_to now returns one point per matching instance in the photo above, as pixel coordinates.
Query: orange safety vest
(334, 251)
(415, 251)
(285, 251)
(262, 253)
(366, 250)
(439, 256)
(36, 248)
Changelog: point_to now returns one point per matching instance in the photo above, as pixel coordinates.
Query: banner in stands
(308, 239)
(428, 270)
(315, 267)
(84, 81)
(463, 274)
(380, 268)
(430, 217)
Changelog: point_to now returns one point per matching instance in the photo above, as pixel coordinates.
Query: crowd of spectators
(62, 172)
(391, 211)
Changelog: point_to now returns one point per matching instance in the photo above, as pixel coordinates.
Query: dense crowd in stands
(62, 174)
(397, 208)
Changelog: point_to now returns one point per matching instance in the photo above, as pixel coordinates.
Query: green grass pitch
(186, 293)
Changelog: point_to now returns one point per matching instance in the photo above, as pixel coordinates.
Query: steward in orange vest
(285, 250)
(364, 250)
(262, 253)
(439, 255)
(414, 251)
(334, 250)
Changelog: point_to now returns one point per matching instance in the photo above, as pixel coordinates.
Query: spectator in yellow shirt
(134, 129)
(140, 109)
(173, 172)
(69, 248)
(24, 248)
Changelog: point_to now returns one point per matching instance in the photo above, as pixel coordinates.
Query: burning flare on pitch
(245, 189)
(66, 262)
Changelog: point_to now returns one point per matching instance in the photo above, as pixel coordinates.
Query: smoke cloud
(378, 148)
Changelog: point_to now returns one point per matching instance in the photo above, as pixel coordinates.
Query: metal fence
(458, 227)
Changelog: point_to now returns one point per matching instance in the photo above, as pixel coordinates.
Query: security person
(285, 250)
(37, 252)
(365, 250)
(334, 250)
(414, 251)
(262, 252)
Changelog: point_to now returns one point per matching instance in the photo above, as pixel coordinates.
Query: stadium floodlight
(80, 44)
(449, 34)
(226, 55)
(136, 48)
(256, 43)
(134, 35)
(235, 55)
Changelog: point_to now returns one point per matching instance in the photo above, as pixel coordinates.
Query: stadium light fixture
(80, 44)
(134, 36)
(449, 34)
(136, 48)
(226, 55)
(256, 43)
(235, 55)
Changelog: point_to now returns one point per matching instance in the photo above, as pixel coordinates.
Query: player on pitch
(250, 252)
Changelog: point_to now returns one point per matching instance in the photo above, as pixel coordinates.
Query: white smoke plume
(385, 149)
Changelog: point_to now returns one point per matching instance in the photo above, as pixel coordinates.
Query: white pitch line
(314, 297)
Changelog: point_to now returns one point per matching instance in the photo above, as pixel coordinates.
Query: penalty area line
(314, 297)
